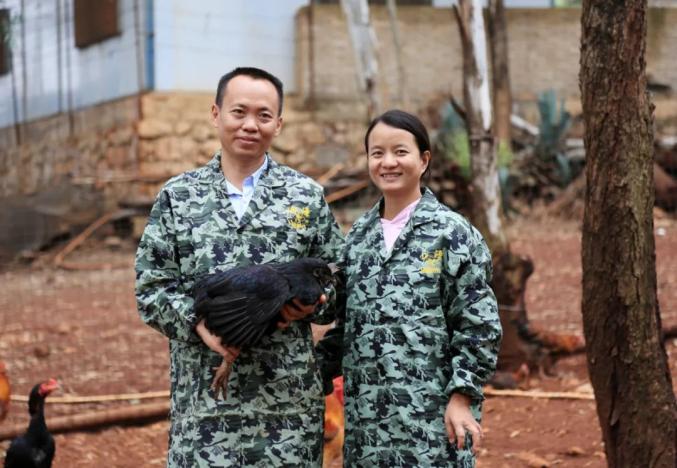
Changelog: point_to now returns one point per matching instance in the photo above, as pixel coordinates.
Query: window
(5, 54)
(95, 21)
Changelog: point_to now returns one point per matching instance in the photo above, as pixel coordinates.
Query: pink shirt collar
(392, 228)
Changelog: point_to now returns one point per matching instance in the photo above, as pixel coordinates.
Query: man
(241, 208)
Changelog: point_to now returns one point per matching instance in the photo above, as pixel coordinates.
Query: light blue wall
(82, 77)
(198, 41)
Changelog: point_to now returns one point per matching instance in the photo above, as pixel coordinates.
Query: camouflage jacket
(273, 414)
(420, 323)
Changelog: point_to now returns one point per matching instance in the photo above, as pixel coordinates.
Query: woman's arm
(472, 317)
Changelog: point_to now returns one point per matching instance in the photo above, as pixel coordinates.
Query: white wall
(82, 77)
(198, 41)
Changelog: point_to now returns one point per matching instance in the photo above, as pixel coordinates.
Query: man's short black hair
(256, 73)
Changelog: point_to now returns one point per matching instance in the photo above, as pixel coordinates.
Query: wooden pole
(135, 413)
(68, 400)
(539, 394)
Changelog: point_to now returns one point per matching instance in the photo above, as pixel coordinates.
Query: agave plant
(451, 142)
(549, 150)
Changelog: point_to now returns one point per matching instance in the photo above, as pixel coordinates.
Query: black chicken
(243, 304)
(34, 449)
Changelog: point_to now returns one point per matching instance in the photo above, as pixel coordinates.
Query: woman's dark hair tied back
(405, 121)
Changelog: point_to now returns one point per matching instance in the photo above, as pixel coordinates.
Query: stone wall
(97, 143)
(110, 150)
(60, 173)
(176, 134)
(543, 53)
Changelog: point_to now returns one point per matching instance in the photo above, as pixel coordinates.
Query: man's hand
(213, 342)
(297, 311)
(459, 421)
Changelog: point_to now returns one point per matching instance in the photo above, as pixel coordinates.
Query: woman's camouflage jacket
(421, 322)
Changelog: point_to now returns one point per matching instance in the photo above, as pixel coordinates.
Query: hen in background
(334, 425)
(34, 449)
(5, 391)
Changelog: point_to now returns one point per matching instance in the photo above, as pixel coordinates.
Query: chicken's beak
(333, 267)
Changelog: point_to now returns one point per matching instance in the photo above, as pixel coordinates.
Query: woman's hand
(297, 311)
(459, 421)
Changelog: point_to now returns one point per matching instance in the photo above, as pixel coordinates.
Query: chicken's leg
(221, 374)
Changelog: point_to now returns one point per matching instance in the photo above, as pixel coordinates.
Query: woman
(421, 332)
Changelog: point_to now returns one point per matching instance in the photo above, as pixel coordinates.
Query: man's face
(248, 118)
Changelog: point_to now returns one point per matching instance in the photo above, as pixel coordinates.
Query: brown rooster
(5, 391)
(333, 426)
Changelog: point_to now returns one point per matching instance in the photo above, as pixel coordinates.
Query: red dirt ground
(82, 328)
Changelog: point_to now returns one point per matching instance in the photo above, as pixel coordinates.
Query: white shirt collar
(249, 183)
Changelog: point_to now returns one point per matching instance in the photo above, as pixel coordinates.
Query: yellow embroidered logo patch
(433, 261)
(298, 218)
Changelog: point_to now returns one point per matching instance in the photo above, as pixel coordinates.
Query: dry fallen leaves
(575, 451)
(532, 460)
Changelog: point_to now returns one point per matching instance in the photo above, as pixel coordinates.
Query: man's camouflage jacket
(273, 413)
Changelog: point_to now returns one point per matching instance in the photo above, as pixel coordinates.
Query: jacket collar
(423, 213)
(426, 208)
(271, 177)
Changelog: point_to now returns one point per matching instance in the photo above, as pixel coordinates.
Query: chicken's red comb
(48, 386)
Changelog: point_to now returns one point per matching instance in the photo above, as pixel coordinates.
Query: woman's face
(395, 162)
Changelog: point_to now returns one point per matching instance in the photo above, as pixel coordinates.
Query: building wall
(50, 75)
(129, 146)
(197, 42)
(543, 52)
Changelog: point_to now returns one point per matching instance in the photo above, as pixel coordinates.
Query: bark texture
(626, 358)
(498, 43)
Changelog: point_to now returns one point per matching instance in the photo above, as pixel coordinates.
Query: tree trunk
(498, 43)
(626, 358)
(403, 100)
(486, 209)
(522, 344)
(363, 39)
